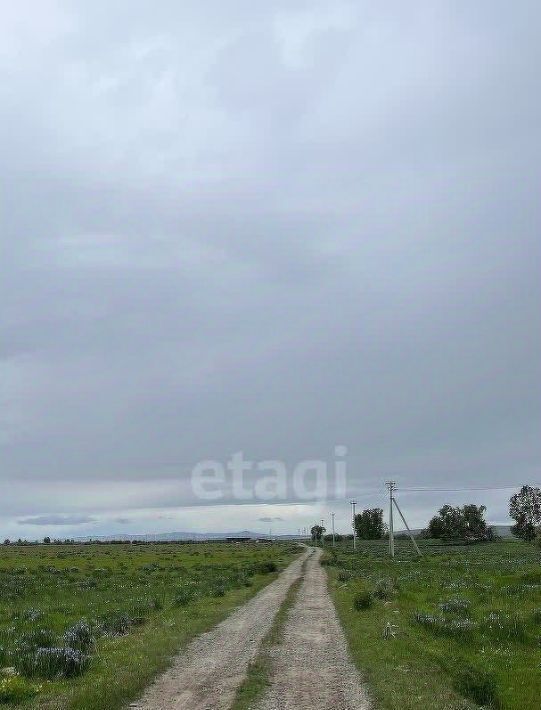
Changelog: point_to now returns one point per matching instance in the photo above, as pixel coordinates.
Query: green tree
(525, 509)
(456, 523)
(369, 524)
(47, 540)
(317, 533)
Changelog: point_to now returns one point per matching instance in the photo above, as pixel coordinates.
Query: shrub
(457, 605)
(32, 614)
(362, 599)
(344, 575)
(536, 616)
(384, 588)
(52, 663)
(116, 623)
(79, 636)
(456, 628)
(183, 596)
(477, 685)
(267, 567)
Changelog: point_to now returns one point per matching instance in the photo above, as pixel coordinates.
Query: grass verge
(455, 630)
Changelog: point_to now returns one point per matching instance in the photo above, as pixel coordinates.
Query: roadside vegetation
(87, 627)
(457, 628)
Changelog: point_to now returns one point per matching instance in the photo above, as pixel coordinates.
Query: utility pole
(353, 504)
(332, 519)
(391, 486)
(415, 545)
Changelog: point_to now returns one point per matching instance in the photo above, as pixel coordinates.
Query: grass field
(459, 628)
(88, 626)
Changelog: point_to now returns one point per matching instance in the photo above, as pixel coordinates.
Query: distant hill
(183, 536)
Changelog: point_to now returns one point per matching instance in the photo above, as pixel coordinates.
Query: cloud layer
(271, 229)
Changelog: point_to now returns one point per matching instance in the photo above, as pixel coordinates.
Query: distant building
(238, 539)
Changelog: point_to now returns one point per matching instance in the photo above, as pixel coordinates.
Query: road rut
(311, 666)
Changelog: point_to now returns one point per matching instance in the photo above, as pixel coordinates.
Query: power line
(426, 489)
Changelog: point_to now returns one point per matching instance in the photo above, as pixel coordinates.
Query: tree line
(465, 522)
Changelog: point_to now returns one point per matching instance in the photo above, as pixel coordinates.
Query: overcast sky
(270, 227)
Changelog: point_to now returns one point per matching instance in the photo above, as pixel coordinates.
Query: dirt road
(311, 667)
(206, 675)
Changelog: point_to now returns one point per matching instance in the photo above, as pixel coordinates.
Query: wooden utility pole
(391, 486)
(353, 504)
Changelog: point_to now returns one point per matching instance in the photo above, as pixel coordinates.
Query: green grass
(260, 670)
(466, 622)
(129, 596)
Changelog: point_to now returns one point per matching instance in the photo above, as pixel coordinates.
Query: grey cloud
(267, 230)
(57, 520)
(270, 520)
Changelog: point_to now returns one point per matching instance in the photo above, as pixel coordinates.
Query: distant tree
(7, 541)
(525, 509)
(456, 523)
(475, 526)
(47, 540)
(369, 524)
(317, 533)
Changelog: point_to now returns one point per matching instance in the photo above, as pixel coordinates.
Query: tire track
(206, 674)
(312, 669)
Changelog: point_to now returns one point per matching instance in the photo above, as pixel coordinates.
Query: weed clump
(363, 599)
(457, 605)
(116, 623)
(184, 596)
(385, 588)
(79, 636)
(267, 567)
(438, 625)
(52, 663)
(477, 685)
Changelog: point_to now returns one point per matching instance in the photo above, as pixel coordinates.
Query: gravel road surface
(311, 667)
